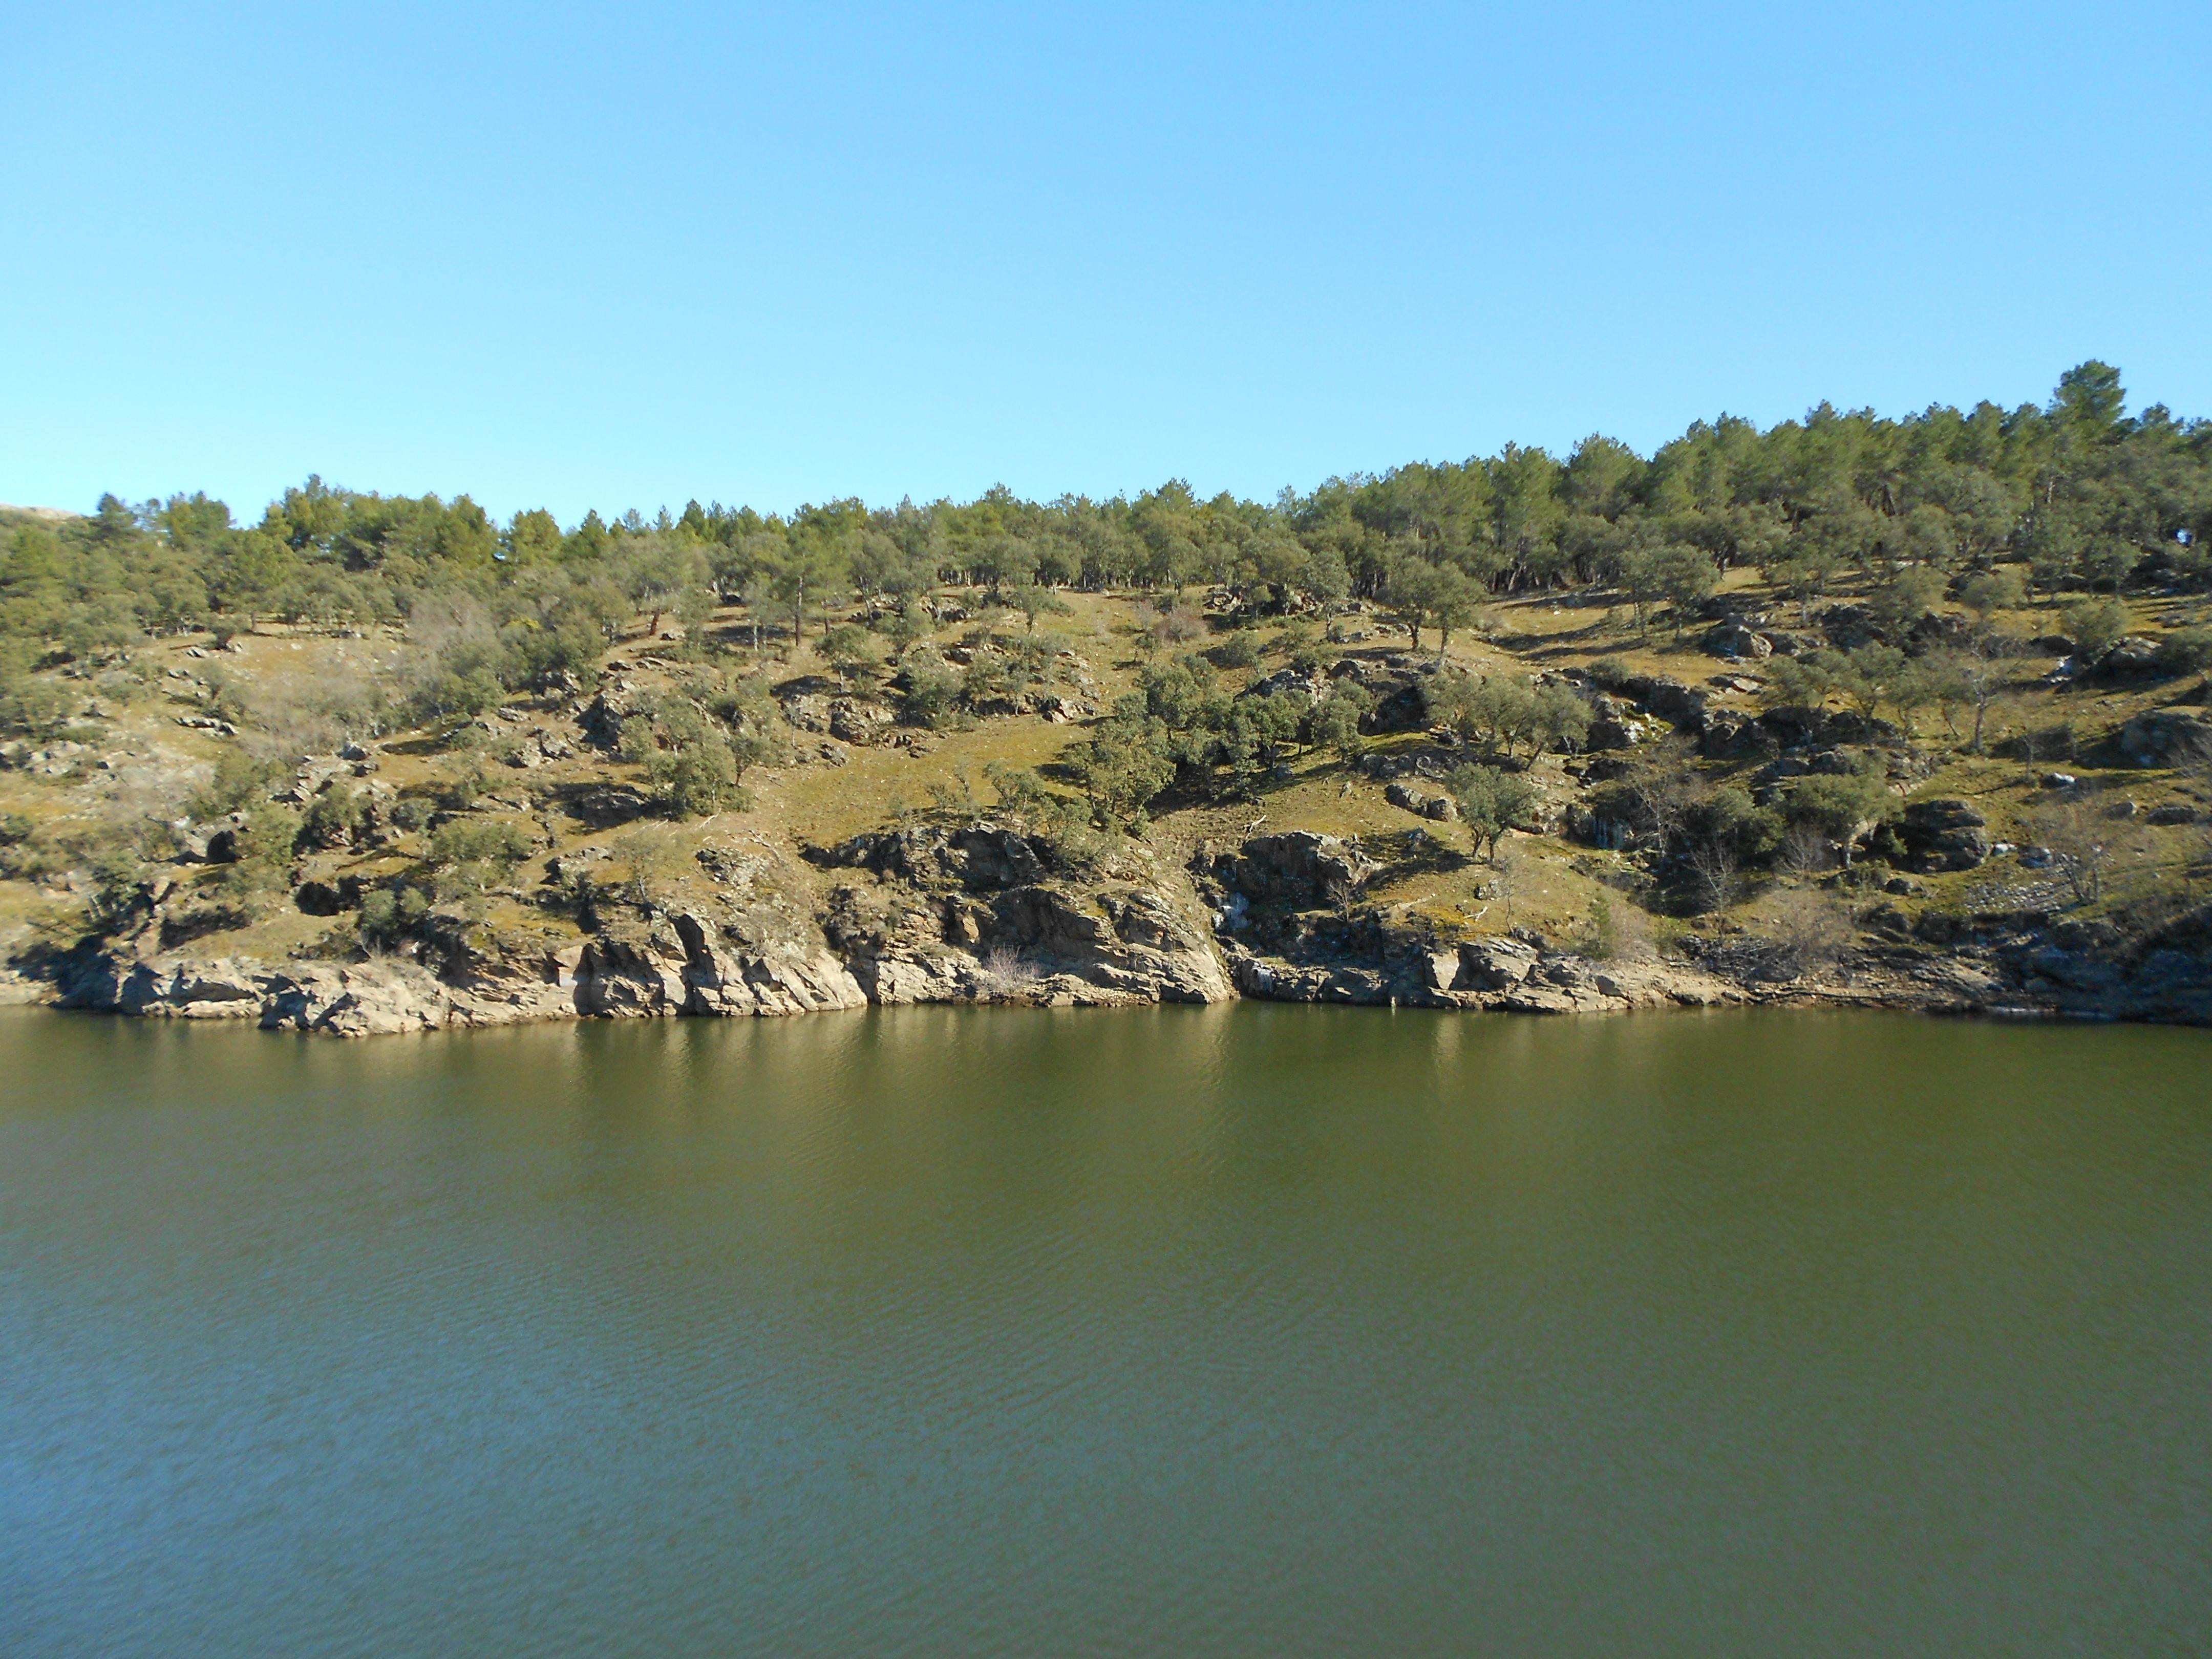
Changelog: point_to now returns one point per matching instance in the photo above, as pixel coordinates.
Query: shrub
(334, 817)
(1240, 650)
(1989, 591)
(1802, 930)
(477, 854)
(1842, 807)
(389, 914)
(928, 689)
(1600, 933)
(1334, 722)
(2095, 626)
(2186, 651)
(1021, 792)
(846, 649)
(265, 847)
(1490, 802)
(1124, 765)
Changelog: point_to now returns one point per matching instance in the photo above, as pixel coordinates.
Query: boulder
(1670, 699)
(380, 999)
(1783, 643)
(1301, 869)
(600, 720)
(859, 720)
(608, 805)
(2133, 655)
(1944, 834)
(1851, 626)
(1938, 631)
(321, 898)
(808, 711)
(1493, 965)
(1735, 640)
(1440, 808)
(1289, 682)
(2167, 737)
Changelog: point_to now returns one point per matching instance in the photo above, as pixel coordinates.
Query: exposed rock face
(1504, 973)
(371, 1000)
(1442, 808)
(859, 720)
(1737, 640)
(1282, 906)
(224, 988)
(2134, 655)
(363, 999)
(677, 966)
(1300, 869)
(607, 806)
(1944, 834)
(985, 913)
(2167, 737)
(684, 964)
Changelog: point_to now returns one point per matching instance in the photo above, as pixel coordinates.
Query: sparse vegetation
(1712, 684)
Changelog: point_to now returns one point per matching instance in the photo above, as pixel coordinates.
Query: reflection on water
(1243, 1330)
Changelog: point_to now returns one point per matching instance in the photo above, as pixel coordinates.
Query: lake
(1262, 1330)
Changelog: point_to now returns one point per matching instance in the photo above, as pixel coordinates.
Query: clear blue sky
(622, 256)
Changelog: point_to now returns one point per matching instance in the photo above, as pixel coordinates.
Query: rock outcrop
(1944, 834)
(1300, 869)
(2168, 736)
(683, 964)
(1284, 906)
(986, 913)
(1441, 808)
(1506, 974)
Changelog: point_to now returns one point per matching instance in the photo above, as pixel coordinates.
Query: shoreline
(391, 996)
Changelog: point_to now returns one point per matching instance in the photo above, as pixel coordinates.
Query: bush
(928, 689)
(1989, 591)
(334, 817)
(1842, 807)
(1803, 929)
(1490, 802)
(1124, 765)
(1240, 650)
(1334, 722)
(1600, 933)
(265, 847)
(475, 855)
(688, 760)
(1611, 672)
(846, 649)
(2187, 651)
(2095, 627)
(1021, 792)
(389, 914)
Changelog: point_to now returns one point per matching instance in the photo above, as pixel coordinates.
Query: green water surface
(1256, 1330)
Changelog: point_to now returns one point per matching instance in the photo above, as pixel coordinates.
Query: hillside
(729, 764)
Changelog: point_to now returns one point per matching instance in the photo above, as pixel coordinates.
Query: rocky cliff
(986, 911)
(979, 913)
